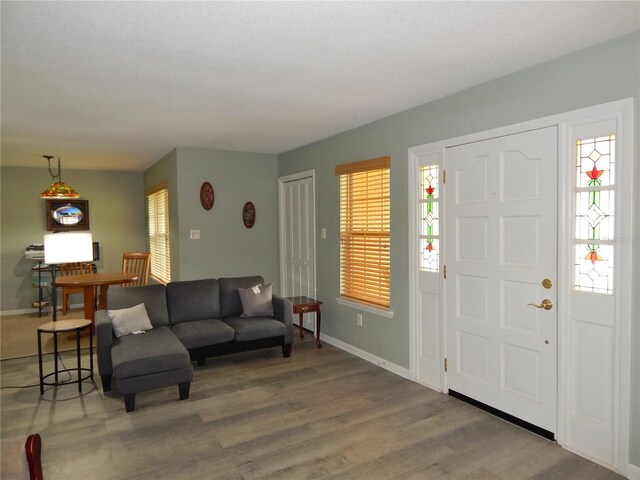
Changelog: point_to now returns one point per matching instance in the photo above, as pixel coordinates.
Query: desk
(90, 280)
(302, 305)
(64, 326)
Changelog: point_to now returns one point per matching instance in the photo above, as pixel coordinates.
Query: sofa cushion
(193, 300)
(257, 301)
(153, 296)
(230, 304)
(157, 350)
(200, 333)
(129, 320)
(255, 328)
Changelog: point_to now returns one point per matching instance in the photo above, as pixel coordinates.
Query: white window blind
(365, 253)
(158, 231)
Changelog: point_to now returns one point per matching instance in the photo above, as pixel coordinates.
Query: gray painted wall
(116, 217)
(226, 248)
(606, 72)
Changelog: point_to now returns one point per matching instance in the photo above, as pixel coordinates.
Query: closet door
(297, 220)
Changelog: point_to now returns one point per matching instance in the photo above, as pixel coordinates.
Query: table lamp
(65, 247)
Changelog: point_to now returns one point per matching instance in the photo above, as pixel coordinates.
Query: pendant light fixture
(58, 189)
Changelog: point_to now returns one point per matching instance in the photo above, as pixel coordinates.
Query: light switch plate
(195, 234)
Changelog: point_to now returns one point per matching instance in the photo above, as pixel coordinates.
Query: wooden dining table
(92, 281)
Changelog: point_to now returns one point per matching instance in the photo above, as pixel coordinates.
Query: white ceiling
(117, 85)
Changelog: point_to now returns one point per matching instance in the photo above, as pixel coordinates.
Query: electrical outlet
(195, 234)
(359, 319)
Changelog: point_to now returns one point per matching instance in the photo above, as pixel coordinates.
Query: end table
(65, 326)
(302, 305)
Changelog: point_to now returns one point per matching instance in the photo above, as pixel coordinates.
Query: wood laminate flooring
(18, 337)
(321, 414)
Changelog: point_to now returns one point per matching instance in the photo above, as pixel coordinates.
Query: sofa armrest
(104, 334)
(283, 311)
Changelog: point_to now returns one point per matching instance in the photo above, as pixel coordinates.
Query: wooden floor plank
(321, 414)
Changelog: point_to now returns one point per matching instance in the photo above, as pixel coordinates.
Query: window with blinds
(365, 223)
(158, 231)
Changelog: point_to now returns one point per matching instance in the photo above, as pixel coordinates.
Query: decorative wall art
(207, 196)
(249, 215)
(67, 215)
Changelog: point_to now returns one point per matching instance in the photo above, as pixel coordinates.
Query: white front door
(297, 240)
(501, 225)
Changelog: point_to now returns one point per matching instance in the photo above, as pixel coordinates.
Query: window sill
(383, 312)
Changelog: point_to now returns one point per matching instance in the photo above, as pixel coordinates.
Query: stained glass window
(429, 231)
(594, 212)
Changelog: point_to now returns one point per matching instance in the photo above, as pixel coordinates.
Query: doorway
(501, 268)
(297, 238)
(471, 326)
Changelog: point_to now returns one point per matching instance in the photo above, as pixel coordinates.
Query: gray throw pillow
(257, 301)
(130, 320)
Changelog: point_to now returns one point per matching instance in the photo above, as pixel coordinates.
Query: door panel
(502, 230)
(298, 262)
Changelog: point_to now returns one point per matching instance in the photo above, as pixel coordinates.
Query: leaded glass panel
(594, 268)
(596, 161)
(594, 214)
(429, 221)
(429, 188)
(429, 254)
(429, 229)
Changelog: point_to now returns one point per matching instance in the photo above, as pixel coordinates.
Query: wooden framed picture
(249, 214)
(67, 215)
(207, 196)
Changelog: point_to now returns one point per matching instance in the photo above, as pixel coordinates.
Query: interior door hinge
(444, 176)
(446, 366)
(445, 272)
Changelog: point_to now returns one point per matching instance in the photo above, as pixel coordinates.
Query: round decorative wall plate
(207, 197)
(249, 215)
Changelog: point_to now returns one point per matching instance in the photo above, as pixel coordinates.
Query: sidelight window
(429, 233)
(594, 214)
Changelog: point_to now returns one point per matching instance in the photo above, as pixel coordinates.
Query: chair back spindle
(77, 268)
(138, 264)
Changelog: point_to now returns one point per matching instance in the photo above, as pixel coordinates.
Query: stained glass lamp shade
(59, 189)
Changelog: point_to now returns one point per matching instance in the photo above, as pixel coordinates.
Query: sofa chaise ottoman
(187, 321)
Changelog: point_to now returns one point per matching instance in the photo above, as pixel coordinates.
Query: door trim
(622, 111)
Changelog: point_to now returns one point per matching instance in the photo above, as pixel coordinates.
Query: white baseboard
(35, 310)
(633, 472)
(381, 362)
(18, 312)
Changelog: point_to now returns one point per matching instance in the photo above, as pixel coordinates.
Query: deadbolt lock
(547, 283)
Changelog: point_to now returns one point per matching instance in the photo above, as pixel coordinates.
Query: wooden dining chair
(138, 264)
(21, 459)
(73, 269)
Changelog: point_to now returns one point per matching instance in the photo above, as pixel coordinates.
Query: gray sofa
(192, 320)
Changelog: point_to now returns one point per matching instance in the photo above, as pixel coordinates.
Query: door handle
(546, 304)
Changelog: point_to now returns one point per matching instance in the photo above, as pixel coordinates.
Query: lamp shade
(68, 247)
(59, 190)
